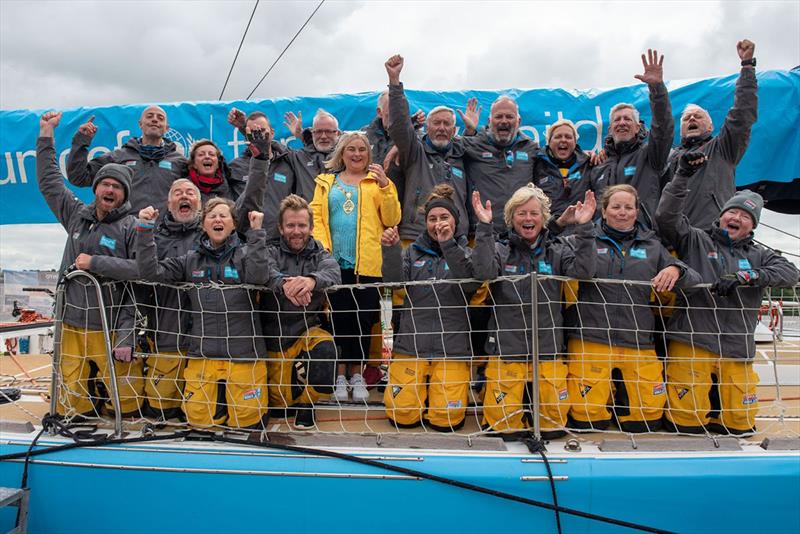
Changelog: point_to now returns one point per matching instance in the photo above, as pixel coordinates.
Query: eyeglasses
(329, 133)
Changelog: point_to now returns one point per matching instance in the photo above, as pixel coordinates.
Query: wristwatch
(749, 62)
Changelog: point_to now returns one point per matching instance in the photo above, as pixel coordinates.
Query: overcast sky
(66, 54)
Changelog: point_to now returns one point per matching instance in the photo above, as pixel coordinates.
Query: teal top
(344, 222)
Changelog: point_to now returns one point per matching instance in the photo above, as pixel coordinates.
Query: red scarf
(206, 184)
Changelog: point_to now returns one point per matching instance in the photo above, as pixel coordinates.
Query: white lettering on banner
(120, 138)
(10, 177)
(23, 176)
(98, 150)
(235, 143)
(62, 162)
(598, 125)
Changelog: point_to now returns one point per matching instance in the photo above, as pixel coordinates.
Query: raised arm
(734, 136)
(662, 128)
(400, 128)
(486, 262)
(252, 198)
(256, 270)
(673, 225)
(167, 270)
(393, 266)
(81, 171)
(389, 205)
(62, 202)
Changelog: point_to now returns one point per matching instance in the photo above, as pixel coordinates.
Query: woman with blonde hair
(352, 206)
(526, 247)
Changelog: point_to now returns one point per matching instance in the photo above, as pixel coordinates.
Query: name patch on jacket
(603, 250)
(130, 163)
(231, 272)
(486, 155)
(511, 268)
(638, 253)
(278, 177)
(165, 164)
(522, 156)
(545, 268)
(458, 173)
(252, 394)
(576, 176)
(107, 242)
(199, 273)
(629, 171)
(744, 264)
(712, 255)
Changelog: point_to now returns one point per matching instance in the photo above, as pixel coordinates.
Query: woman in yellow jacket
(352, 207)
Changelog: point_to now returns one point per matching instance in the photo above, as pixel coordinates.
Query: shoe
(304, 420)
(340, 391)
(360, 393)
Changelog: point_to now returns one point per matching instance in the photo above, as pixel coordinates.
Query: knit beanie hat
(441, 202)
(746, 200)
(121, 173)
(561, 122)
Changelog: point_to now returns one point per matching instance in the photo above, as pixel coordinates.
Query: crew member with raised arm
(636, 156)
(226, 348)
(156, 162)
(711, 383)
(280, 177)
(102, 227)
(715, 182)
(318, 143)
(499, 159)
(523, 249)
(613, 338)
(429, 373)
(302, 355)
(435, 158)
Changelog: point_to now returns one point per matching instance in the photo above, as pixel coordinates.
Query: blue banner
(774, 152)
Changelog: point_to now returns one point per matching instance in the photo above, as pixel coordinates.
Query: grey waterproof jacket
(715, 182)
(722, 325)
(283, 321)
(152, 178)
(641, 161)
(433, 320)
(423, 166)
(510, 325)
(562, 191)
(619, 314)
(224, 321)
(113, 236)
(498, 171)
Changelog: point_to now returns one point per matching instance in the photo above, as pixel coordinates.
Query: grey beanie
(121, 173)
(746, 200)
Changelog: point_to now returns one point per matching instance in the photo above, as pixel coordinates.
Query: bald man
(155, 161)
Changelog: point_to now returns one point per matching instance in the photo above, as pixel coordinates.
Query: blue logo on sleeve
(231, 272)
(165, 164)
(545, 268)
(638, 253)
(458, 173)
(280, 177)
(107, 242)
(630, 171)
(522, 156)
(744, 264)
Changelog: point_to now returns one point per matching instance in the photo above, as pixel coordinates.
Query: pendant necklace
(348, 206)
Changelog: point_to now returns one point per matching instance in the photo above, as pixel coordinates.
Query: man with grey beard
(499, 159)
(318, 143)
(435, 158)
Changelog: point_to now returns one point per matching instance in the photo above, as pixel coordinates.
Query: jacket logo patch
(446, 267)
(458, 173)
(563, 394)
(499, 396)
(200, 273)
(76, 235)
(454, 404)
(545, 268)
(252, 394)
(682, 392)
(107, 242)
(603, 250)
(750, 398)
(511, 268)
(231, 272)
(522, 156)
(750, 204)
(396, 390)
(744, 264)
(278, 177)
(629, 171)
(419, 263)
(658, 389)
(712, 255)
(486, 155)
(165, 165)
(638, 253)
(576, 176)
(585, 390)
(409, 371)
(310, 164)
(130, 163)
(544, 179)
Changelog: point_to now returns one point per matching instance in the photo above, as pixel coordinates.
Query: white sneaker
(340, 391)
(360, 393)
